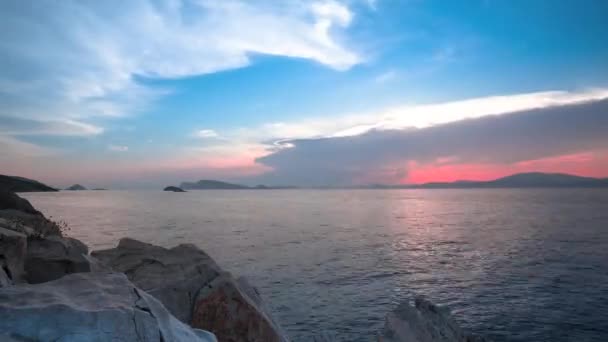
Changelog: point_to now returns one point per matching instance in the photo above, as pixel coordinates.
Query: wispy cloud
(118, 148)
(83, 56)
(74, 61)
(386, 76)
(16, 127)
(71, 62)
(14, 150)
(206, 134)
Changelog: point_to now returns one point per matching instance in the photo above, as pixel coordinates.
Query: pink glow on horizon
(591, 164)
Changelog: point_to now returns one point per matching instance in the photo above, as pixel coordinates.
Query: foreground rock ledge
(89, 307)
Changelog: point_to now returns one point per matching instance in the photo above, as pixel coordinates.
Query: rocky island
(174, 189)
(76, 187)
(141, 292)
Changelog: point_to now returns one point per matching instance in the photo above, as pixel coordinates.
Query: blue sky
(148, 92)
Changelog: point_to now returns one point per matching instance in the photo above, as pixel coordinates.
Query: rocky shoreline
(52, 288)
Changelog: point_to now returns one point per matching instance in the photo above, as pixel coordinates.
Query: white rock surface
(423, 322)
(89, 307)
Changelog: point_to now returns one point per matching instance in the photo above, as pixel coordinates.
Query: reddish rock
(225, 309)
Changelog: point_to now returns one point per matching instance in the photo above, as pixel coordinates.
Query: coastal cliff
(141, 292)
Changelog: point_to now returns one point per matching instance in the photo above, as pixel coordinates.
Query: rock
(29, 224)
(13, 246)
(195, 289)
(89, 307)
(174, 189)
(252, 293)
(53, 257)
(10, 200)
(5, 280)
(226, 309)
(20, 184)
(424, 322)
(76, 187)
(174, 276)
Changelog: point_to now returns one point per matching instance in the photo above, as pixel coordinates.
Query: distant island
(174, 189)
(518, 180)
(20, 184)
(76, 187)
(206, 184)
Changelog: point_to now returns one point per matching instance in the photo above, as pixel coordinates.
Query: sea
(511, 264)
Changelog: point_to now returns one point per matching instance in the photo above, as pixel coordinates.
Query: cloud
(118, 148)
(69, 63)
(564, 128)
(407, 116)
(15, 126)
(386, 76)
(14, 150)
(206, 134)
(81, 59)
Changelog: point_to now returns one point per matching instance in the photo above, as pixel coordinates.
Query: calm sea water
(513, 265)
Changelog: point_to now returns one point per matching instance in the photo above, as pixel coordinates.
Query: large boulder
(174, 276)
(89, 307)
(53, 257)
(226, 308)
(13, 247)
(195, 289)
(423, 322)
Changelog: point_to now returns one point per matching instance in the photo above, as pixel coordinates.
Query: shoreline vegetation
(141, 292)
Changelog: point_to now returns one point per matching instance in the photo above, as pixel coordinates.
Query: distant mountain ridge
(21, 184)
(207, 184)
(518, 180)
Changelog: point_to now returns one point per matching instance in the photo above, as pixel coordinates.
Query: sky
(143, 93)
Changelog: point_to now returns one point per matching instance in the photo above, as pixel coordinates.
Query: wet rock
(423, 322)
(13, 247)
(53, 257)
(89, 307)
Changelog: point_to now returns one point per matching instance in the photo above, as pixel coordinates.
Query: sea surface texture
(512, 264)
